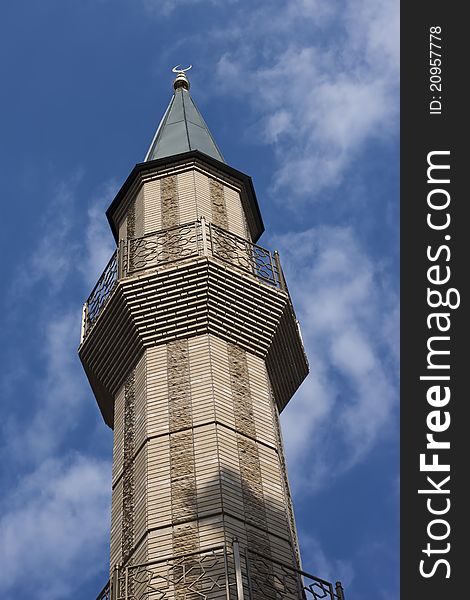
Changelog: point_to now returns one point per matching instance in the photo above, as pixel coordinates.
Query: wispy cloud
(55, 251)
(58, 393)
(52, 529)
(331, 570)
(54, 525)
(319, 98)
(59, 262)
(322, 79)
(346, 314)
(58, 253)
(99, 242)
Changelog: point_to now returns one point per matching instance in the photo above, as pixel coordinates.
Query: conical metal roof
(182, 128)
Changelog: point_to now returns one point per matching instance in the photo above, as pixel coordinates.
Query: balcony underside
(191, 298)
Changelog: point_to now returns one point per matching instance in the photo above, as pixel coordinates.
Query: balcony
(165, 247)
(222, 573)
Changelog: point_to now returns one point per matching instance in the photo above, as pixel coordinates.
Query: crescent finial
(177, 69)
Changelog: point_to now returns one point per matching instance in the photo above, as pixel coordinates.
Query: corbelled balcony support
(188, 298)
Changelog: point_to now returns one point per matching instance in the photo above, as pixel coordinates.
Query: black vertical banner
(435, 431)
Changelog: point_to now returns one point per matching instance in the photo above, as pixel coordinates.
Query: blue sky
(302, 96)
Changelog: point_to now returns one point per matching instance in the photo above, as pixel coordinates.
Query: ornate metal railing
(202, 575)
(100, 294)
(219, 573)
(270, 579)
(244, 255)
(160, 248)
(105, 593)
(174, 244)
(199, 237)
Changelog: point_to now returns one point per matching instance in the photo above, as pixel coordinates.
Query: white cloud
(322, 80)
(52, 529)
(58, 253)
(60, 392)
(55, 251)
(55, 515)
(326, 568)
(347, 403)
(56, 391)
(57, 264)
(374, 29)
(318, 102)
(99, 242)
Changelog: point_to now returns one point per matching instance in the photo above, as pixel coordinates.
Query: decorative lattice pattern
(201, 576)
(224, 572)
(244, 255)
(101, 292)
(162, 247)
(271, 580)
(176, 244)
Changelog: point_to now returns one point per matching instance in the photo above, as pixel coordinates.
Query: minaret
(192, 349)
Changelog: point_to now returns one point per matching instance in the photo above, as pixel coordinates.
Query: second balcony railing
(224, 572)
(175, 244)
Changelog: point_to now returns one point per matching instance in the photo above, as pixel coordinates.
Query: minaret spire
(182, 128)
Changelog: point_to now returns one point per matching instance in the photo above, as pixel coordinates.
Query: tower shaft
(197, 456)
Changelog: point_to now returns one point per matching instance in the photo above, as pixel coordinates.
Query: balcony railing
(218, 573)
(102, 290)
(105, 593)
(175, 244)
(269, 578)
